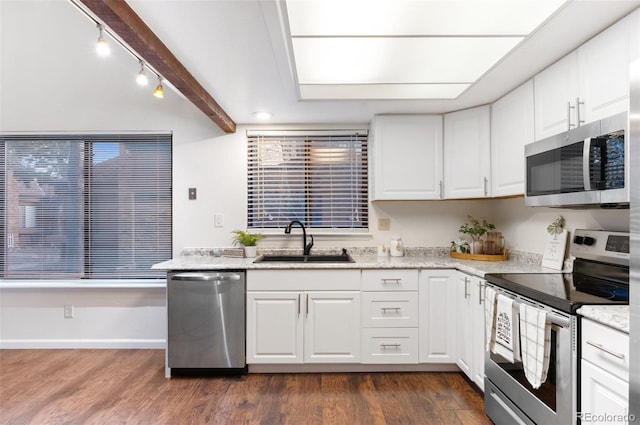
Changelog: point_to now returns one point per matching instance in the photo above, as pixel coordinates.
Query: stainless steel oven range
(600, 277)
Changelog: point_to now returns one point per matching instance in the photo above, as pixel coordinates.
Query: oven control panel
(601, 245)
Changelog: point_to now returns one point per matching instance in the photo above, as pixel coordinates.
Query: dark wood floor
(128, 387)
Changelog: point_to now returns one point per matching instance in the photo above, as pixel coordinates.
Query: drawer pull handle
(385, 346)
(606, 350)
(385, 309)
(394, 280)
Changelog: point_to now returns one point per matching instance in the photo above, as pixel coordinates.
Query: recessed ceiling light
(263, 116)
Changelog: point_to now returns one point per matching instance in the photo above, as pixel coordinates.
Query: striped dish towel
(490, 297)
(535, 341)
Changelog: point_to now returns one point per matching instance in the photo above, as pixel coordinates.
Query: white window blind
(85, 206)
(318, 178)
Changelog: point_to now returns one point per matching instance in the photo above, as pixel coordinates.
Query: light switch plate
(218, 220)
(192, 193)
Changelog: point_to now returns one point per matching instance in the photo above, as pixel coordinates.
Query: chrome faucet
(306, 248)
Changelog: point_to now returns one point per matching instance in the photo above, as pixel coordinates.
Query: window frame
(359, 137)
(87, 140)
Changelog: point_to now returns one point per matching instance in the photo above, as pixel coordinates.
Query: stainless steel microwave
(585, 166)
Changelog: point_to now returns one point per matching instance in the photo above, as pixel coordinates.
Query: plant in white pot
(248, 241)
(476, 229)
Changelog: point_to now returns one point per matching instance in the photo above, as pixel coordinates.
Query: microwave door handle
(586, 163)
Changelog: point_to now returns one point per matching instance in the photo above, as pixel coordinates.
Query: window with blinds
(316, 177)
(85, 206)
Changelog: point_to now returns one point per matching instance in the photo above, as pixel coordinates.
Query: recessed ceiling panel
(397, 60)
(397, 43)
(381, 91)
(417, 17)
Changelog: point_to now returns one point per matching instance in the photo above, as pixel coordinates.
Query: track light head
(102, 47)
(159, 91)
(142, 79)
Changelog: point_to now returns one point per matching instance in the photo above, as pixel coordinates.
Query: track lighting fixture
(102, 47)
(142, 79)
(159, 91)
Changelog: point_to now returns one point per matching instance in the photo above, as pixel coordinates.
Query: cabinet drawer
(390, 309)
(390, 345)
(606, 348)
(390, 280)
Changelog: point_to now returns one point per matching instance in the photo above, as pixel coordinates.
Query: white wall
(51, 80)
(103, 318)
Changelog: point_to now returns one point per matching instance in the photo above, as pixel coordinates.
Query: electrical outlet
(68, 311)
(384, 224)
(192, 193)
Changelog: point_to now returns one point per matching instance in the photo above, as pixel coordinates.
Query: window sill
(83, 284)
(320, 234)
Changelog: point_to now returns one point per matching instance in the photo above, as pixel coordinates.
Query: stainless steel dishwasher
(206, 321)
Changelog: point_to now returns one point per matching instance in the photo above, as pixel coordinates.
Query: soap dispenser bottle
(396, 249)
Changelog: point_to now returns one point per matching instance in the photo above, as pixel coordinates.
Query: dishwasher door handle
(207, 277)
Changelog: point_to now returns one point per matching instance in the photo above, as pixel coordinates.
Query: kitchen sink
(332, 258)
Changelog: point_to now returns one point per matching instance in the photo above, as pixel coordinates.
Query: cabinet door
(477, 325)
(467, 153)
(437, 316)
(464, 331)
(556, 89)
(274, 327)
(332, 327)
(603, 68)
(407, 157)
(602, 395)
(511, 130)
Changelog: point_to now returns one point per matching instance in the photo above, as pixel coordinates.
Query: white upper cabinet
(467, 153)
(511, 130)
(407, 157)
(603, 71)
(556, 91)
(588, 84)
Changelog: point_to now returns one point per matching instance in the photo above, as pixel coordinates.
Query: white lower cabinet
(390, 316)
(274, 327)
(604, 374)
(470, 327)
(309, 327)
(305, 326)
(437, 316)
(332, 327)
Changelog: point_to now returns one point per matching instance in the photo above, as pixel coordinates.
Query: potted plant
(247, 240)
(475, 229)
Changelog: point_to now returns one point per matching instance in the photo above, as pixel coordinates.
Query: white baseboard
(351, 367)
(83, 343)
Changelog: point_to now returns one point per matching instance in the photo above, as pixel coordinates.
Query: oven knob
(589, 241)
(578, 240)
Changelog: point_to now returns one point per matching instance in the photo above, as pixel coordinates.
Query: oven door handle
(557, 320)
(554, 319)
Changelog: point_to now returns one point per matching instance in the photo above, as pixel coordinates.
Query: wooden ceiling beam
(121, 19)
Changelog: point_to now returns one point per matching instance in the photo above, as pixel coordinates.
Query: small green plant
(460, 245)
(476, 228)
(245, 238)
(556, 227)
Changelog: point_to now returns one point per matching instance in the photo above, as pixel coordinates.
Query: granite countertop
(429, 258)
(615, 316)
